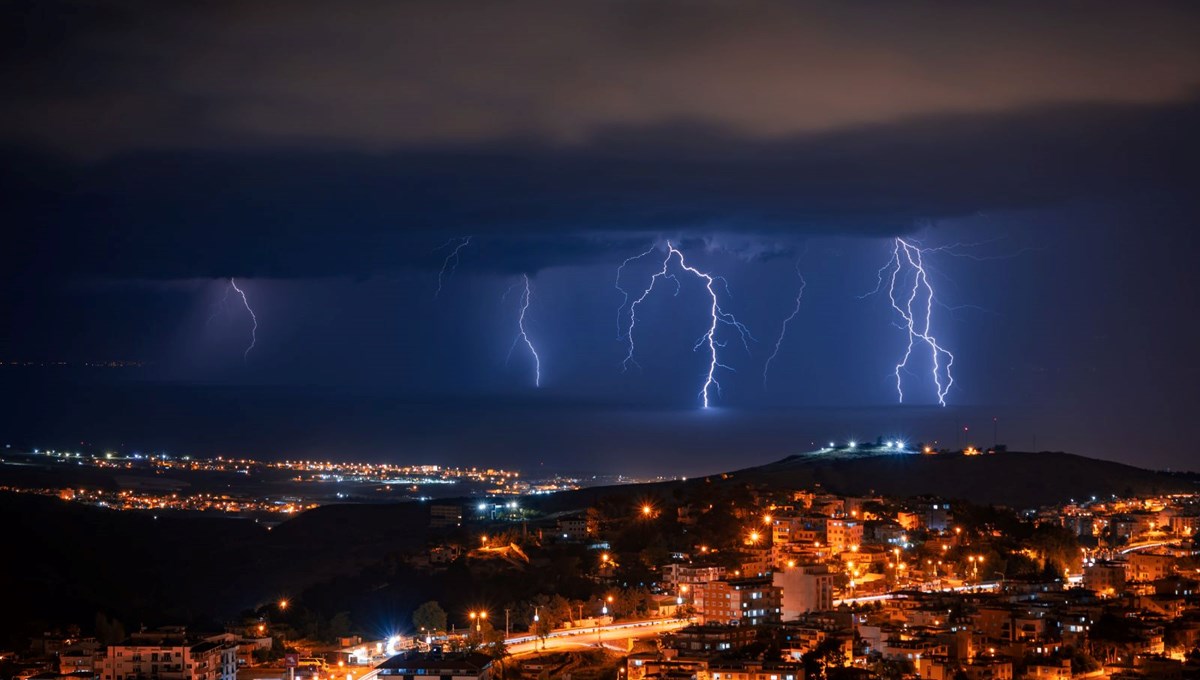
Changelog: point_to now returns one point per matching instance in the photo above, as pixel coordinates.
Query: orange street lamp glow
(283, 604)
(646, 510)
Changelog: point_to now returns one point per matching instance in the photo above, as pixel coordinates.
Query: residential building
(1105, 577)
(445, 516)
(168, 654)
(804, 588)
(746, 601)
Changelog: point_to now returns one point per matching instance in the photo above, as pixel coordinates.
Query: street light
(478, 618)
(283, 604)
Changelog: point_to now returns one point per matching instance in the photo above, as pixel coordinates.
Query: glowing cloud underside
(253, 318)
(783, 330)
(911, 295)
(708, 340)
(523, 335)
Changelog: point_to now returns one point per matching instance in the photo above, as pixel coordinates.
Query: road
(984, 585)
(1146, 545)
(612, 636)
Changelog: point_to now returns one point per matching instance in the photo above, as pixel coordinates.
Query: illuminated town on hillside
(692, 582)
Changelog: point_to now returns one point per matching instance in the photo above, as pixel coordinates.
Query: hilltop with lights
(894, 467)
(993, 476)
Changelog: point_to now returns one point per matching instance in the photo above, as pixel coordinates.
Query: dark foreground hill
(65, 561)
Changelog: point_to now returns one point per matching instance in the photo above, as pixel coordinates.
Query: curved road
(592, 636)
(612, 636)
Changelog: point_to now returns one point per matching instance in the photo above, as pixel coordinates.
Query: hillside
(184, 568)
(1017, 479)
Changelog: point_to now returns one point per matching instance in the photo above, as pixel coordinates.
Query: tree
(109, 632)
(339, 625)
(829, 653)
(559, 609)
(429, 617)
(542, 628)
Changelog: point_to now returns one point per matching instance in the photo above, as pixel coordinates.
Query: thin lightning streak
(522, 335)
(254, 328)
(783, 330)
(450, 264)
(955, 249)
(625, 294)
(718, 315)
(220, 307)
(907, 257)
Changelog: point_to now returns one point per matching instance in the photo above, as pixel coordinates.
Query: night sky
(324, 157)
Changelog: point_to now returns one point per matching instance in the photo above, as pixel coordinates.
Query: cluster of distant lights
(510, 505)
(309, 466)
(894, 445)
(130, 500)
(507, 482)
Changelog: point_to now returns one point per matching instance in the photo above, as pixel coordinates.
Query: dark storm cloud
(288, 139)
(303, 213)
(104, 78)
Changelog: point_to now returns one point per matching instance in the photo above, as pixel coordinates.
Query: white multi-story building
(805, 588)
(168, 655)
(675, 575)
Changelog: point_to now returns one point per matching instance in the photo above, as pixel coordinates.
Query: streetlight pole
(537, 630)
(506, 629)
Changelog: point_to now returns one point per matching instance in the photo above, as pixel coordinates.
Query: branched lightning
(253, 318)
(625, 294)
(451, 262)
(523, 336)
(783, 330)
(907, 260)
(709, 339)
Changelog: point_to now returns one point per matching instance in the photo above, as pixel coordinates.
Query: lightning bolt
(709, 338)
(451, 262)
(523, 336)
(907, 258)
(254, 328)
(783, 330)
(624, 293)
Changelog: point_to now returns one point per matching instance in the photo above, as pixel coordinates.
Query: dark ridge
(1018, 479)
